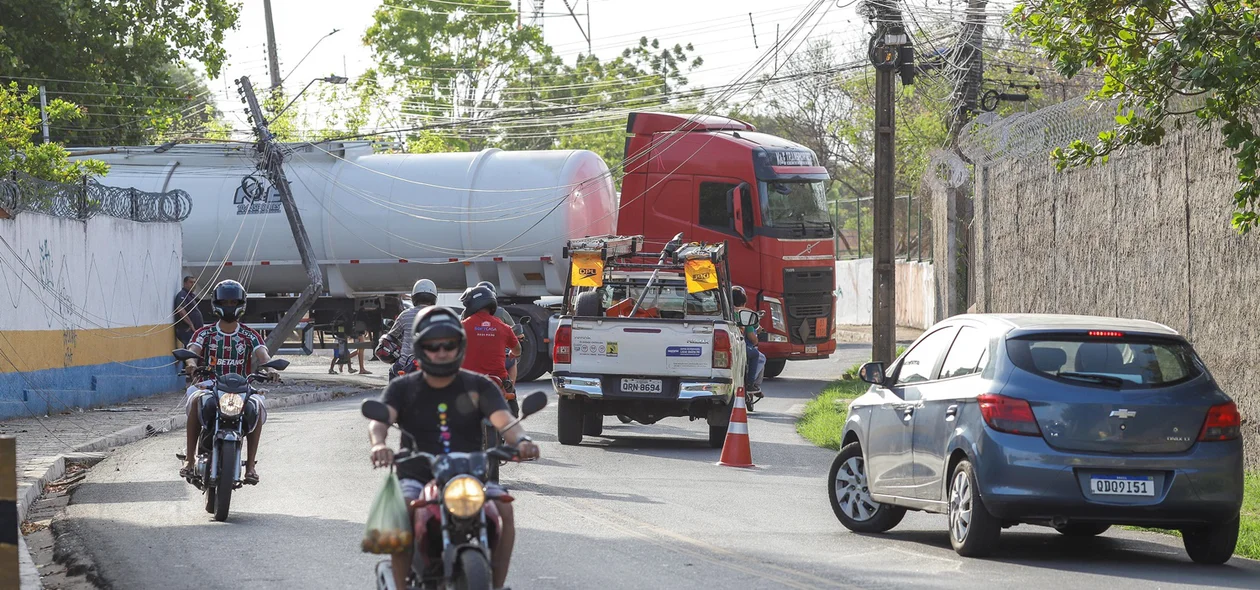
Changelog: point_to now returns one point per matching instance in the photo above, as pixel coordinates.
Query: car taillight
(721, 350)
(1007, 414)
(562, 349)
(1223, 423)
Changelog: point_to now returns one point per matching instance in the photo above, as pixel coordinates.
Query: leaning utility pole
(273, 60)
(890, 52)
(271, 162)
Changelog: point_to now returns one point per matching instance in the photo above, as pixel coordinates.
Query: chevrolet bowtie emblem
(1122, 414)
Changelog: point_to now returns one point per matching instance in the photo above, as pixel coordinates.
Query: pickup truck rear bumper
(593, 386)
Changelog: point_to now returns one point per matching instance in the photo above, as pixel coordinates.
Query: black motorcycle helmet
(477, 299)
(434, 323)
(229, 290)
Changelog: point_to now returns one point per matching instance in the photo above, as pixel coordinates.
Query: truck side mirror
(740, 200)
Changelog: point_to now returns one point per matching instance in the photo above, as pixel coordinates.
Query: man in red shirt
(490, 340)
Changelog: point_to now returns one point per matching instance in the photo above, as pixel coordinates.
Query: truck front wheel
(569, 420)
(774, 367)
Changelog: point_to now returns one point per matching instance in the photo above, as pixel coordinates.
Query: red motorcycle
(455, 520)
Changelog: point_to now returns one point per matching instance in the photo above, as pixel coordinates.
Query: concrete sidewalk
(44, 442)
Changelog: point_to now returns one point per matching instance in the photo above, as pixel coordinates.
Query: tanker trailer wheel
(535, 353)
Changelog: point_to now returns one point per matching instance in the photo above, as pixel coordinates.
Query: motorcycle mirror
(277, 364)
(374, 409)
(524, 319)
(184, 354)
(533, 403)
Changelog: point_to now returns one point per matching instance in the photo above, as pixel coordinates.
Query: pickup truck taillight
(721, 349)
(562, 348)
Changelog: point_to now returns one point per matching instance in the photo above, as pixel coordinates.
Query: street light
(334, 79)
(308, 54)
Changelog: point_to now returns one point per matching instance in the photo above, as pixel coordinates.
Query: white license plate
(1122, 485)
(642, 385)
(811, 349)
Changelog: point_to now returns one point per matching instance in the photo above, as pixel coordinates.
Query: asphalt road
(641, 507)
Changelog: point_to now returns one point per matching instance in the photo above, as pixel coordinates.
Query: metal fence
(83, 200)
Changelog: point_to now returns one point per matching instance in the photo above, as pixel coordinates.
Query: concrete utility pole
(970, 52)
(954, 282)
(43, 110)
(272, 163)
(273, 60)
(890, 52)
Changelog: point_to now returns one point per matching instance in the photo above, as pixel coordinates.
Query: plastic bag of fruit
(388, 526)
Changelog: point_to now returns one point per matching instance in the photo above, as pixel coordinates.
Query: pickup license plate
(811, 349)
(642, 385)
(1122, 485)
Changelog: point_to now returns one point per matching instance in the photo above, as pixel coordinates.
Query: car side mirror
(748, 317)
(524, 319)
(872, 373)
(740, 203)
(277, 364)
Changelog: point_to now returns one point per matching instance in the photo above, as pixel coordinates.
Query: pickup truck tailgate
(616, 346)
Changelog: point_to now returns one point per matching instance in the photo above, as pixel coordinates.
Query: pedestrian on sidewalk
(358, 352)
(187, 316)
(341, 356)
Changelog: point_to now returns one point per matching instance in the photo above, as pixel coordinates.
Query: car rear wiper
(1102, 379)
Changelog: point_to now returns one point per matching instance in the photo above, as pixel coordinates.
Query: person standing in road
(187, 317)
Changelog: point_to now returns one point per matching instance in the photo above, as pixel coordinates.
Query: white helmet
(424, 286)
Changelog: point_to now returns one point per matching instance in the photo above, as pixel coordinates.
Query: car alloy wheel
(852, 493)
(960, 507)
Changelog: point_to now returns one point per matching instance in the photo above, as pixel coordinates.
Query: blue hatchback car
(1073, 422)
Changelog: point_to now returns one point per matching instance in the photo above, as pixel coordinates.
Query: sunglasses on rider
(434, 347)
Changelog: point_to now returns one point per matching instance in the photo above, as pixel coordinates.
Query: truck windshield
(795, 204)
(668, 298)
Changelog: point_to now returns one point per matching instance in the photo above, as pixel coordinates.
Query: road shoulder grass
(823, 422)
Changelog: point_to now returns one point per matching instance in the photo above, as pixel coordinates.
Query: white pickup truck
(647, 343)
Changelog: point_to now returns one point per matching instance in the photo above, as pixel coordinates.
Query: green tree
(451, 60)
(119, 56)
(1160, 59)
(20, 122)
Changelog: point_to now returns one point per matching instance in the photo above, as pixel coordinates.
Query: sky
(720, 31)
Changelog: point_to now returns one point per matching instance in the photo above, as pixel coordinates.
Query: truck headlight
(464, 496)
(231, 405)
(776, 316)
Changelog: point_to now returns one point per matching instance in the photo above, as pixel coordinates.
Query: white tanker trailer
(379, 222)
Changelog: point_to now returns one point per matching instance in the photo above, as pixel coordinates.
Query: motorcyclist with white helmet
(395, 345)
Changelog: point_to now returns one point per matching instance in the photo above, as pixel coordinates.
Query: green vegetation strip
(824, 418)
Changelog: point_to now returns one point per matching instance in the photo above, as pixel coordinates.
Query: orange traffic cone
(736, 451)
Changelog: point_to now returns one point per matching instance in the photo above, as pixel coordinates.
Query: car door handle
(951, 412)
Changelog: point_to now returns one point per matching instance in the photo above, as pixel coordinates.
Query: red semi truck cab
(715, 178)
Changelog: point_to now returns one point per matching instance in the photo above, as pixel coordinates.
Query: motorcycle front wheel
(472, 571)
(228, 459)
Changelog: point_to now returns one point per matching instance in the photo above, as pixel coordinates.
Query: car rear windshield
(1119, 362)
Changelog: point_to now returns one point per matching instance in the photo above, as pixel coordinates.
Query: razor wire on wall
(90, 198)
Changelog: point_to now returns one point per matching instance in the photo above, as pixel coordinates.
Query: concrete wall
(85, 312)
(1147, 236)
(915, 299)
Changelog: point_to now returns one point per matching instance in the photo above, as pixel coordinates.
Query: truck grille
(803, 311)
(817, 279)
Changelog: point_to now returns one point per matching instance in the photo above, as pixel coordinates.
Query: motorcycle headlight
(231, 404)
(776, 316)
(464, 496)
